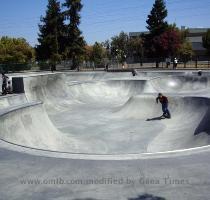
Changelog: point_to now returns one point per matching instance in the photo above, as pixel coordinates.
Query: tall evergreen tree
(75, 44)
(51, 37)
(157, 25)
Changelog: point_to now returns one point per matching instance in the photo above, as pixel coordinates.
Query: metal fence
(113, 64)
(192, 64)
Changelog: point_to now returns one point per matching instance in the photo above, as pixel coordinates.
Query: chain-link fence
(146, 63)
(163, 63)
(193, 64)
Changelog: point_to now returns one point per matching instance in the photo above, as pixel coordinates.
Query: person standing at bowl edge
(4, 83)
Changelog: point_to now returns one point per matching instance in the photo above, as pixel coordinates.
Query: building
(194, 36)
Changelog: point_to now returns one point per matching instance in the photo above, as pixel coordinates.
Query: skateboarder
(199, 73)
(4, 83)
(134, 72)
(164, 101)
(9, 87)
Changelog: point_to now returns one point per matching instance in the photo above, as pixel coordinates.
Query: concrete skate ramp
(28, 125)
(181, 84)
(104, 117)
(59, 91)
(89, 76)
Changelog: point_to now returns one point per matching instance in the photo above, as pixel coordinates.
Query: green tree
(107, 46)
(185, 52)
(135, 48)
(75, 44)
(51, 36)
(119, 47)
(157, 25)
(95, 53)
(15, 50)
(206, 41)
(88, 53)
(98, 53)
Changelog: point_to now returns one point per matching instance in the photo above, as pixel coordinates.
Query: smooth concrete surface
(90, 137)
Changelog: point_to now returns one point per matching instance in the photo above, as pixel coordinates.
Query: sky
(101, 19)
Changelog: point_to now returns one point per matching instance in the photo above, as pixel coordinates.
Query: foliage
(15, 50)
(88, 53)
(135, 47)
(168, 43)
(75, 44)
(185, 51)
(156, 23)
(51, 36)
(107, 47)
(96, 53)
(119, 46)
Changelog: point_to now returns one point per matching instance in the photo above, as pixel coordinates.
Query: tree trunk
(74, 63)
(157, 64)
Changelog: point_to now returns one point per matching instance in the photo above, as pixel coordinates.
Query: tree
(98, 53)
(15, 50)
(75, 44)
(185, 52)
(95, 53)
(88, 53)
(168, 43)
(135, 48)
(107, 47)
(119, 47)
(156, 25)
(51, 36)
(206, 41)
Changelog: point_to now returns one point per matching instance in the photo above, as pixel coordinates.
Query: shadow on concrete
(86, 199)
(156, 118)
(147, 197)
(141, 197)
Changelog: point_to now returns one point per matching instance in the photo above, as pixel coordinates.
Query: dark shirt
(163, 100)
(4, 79)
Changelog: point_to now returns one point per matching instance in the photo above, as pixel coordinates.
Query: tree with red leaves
(168, 43)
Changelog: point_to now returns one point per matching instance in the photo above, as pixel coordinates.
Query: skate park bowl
(181, 84)
(108, 114)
